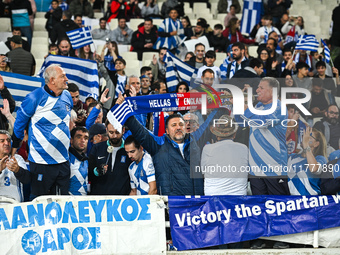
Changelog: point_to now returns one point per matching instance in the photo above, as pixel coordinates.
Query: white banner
(84, 225)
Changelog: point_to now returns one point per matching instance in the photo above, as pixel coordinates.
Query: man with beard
(239, 62)
(287, 65)
(271, 47)
(329, 126)
(108, 165)
(198, 60)
(174, 156)
(320, 99)
(78, 161)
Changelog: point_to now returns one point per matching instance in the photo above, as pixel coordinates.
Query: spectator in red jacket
(232, 32)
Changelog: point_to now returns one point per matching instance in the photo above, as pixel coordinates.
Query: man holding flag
(173, 154)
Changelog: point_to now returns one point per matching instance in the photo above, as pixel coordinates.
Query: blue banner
(199, 222)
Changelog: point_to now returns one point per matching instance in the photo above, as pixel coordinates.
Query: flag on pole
(20, 85)
(80, 37)
(252, 10)
(291, 36)
(176, 71)
(326, 51)
(307, 42)
(82, 72)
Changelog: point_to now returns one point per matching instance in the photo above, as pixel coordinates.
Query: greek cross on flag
(307, 42)
(80, 37)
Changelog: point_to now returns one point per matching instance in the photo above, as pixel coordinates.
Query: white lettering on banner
(159, 103)
(294, 205)
(82, 225)
(203, 218)
(243, 211)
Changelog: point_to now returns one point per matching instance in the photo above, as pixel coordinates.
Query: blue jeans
(27, 32)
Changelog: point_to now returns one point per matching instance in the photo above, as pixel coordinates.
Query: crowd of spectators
(73, 149)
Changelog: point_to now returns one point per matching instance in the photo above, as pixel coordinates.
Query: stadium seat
(199, 7)
(192, 18)
(5, 25)
(98, 15)
(252, 51)
(113, 24)
(40, 14)
(38, 63)
(129, 55)
(337, 101)
(157, 22)
(220, 17)
(40, 40)
(213, 22)
(213, 9)
(39, 51)
(134, 23)
(203, 14)
(147, 57)
(221, 55)
(40, 34)
(39, 24)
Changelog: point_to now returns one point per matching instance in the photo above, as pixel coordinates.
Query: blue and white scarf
(168, 26)
(307, 61)
(235, 67)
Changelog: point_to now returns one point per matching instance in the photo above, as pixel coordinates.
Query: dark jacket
(244, 76)
(173, 172)
(53, 18)
(83, 9)
(59, 30)
(330, 185)
(22, 62)
(220, 44)
(138, 38)
(25, 45)
(192, 62)
(116, 181)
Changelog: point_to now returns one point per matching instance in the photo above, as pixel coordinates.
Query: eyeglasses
(335, 113)
(311, 135)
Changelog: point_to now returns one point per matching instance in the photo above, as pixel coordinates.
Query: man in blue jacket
(174, 156)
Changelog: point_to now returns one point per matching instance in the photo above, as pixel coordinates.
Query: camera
(107, 40)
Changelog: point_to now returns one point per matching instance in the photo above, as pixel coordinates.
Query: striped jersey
(267, 141)
(142, 174)
(78, 176)
(169, 25)
(9, 184)
(302, 181)
(48, 118)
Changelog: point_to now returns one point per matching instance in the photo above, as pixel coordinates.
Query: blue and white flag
(326, 51)
(82, 72)
(176, 71)
(307, 42)
(80, 37)
(20, 85)
(251, 16)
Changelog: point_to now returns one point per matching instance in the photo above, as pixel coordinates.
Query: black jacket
(220, 44)
(53, 18)
(138, 38)
(192, 62)
(116, 181)
(59, 30)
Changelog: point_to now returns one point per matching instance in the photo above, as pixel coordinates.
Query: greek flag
(82, 72)
(307, 42)
(176, 71)
(80, 37)
(326, 51)
(20, 85)
(252, 10)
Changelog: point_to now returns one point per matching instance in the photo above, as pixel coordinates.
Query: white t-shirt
(181, 147)
(231, 180)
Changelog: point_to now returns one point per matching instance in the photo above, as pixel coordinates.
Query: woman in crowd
(305, 169)
(182, 87)
(232, 32)
(288, 81)
(188, 56)
(270, 67)
(111, 55)
(85, 53)
(150, 8)
(188, 32)
(299, 24)
(3, 64)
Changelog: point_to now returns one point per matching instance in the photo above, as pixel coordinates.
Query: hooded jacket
(138, 37)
